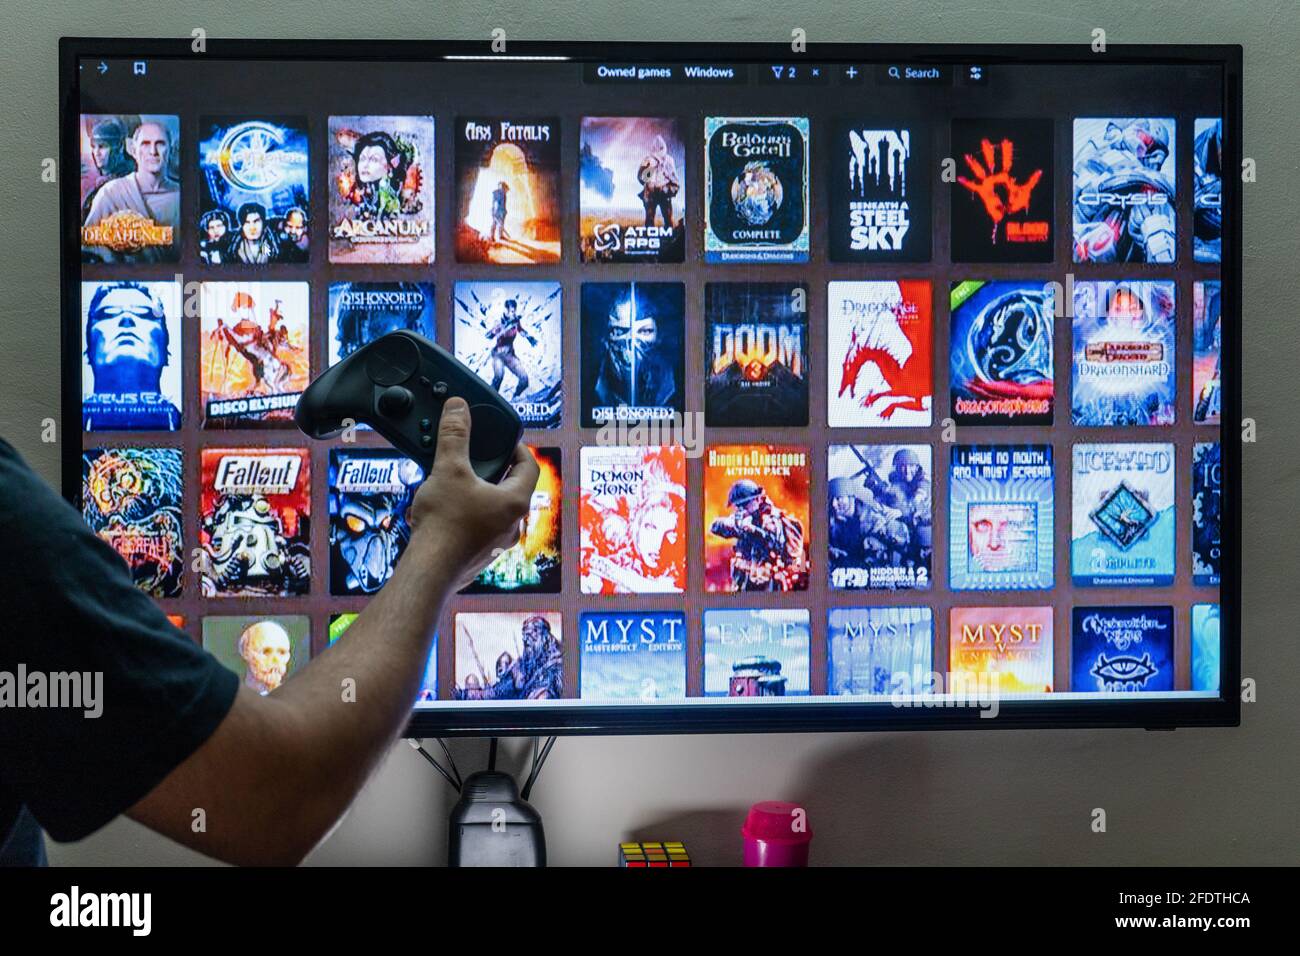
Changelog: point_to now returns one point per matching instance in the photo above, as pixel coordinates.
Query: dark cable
(537, 768)
(436, 766)
(492, 754)
(451, 762)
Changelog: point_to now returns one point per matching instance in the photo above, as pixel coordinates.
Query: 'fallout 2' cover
(756, 189)
(369, 493)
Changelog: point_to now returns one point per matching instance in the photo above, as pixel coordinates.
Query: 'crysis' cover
(1001, 370)
(633, 196)
(255, 521)
(879, 340)
(370, 490)
(131, 498)
(510, 334)
(381, 189)
(1207, 189)
(756, 652)
(875, 651)
(1119, 649)
(1124, 370)
(880, 193)
(756, 353)
(1123, 528)
(756, 525)
(756, 189)
(632, 655)
(632, 518)
(1000, 518)
(1124, 190)
(880, 534)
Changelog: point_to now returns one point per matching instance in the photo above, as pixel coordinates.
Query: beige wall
(1213, 796)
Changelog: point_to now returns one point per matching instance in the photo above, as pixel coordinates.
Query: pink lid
(777, 821)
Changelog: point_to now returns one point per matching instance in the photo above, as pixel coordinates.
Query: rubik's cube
(653, 854)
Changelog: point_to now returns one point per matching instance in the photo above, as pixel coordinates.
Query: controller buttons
(392, 360)
(440, 388)
(424, 382)
(425, 424)
(395, 401)
(426, 441)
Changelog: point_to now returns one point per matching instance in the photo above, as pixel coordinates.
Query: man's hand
(466, 520)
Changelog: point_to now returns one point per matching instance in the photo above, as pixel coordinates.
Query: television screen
(870, 387)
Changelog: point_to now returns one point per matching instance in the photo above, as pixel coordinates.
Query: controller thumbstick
(395, 401)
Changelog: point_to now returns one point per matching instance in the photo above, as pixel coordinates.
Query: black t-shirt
(69, 607)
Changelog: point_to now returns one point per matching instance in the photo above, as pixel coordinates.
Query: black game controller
(397, 385)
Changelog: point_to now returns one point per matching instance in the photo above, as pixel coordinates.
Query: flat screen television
(873, 387)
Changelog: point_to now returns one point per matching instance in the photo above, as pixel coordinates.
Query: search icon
(893, 72)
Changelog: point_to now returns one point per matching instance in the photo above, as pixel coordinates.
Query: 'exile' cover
(756, 354)
(753, 652)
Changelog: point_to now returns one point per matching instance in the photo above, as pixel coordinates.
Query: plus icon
(851, 72)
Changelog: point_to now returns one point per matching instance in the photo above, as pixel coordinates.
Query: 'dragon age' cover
(1000, 518)
(756, 189)
(1205, 647)
(632, 171)
(264, 649)
(757, 531)
(381, 189)
(253, 190)
(757, 652)
(1122, 649)
(428, 684)
(360, 312)
(879, 344)
(756, 354)
(875, 651)
(1124, 190)
(880, 193)
(1207, 510)
(1207, 189)
(1000, 650)
(1124, 369)
(1002, 199)
(632, 655)
(131, 356)
(633, 351)
(370, 490)
(510, 334)
(1001, 368)
(1207, 344)
(532, 564)
(130, 187)
(507, 190)
(255, 522)
(880, 533)
(131, 498)
(508, 655)
(254, 352)
(1123, 525)
(632, 520)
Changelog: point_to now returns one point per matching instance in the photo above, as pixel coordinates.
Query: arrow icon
(103, 67)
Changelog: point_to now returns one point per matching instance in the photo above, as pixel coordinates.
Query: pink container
(776, 834)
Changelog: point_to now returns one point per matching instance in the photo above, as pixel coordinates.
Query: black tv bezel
(1120, 712)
